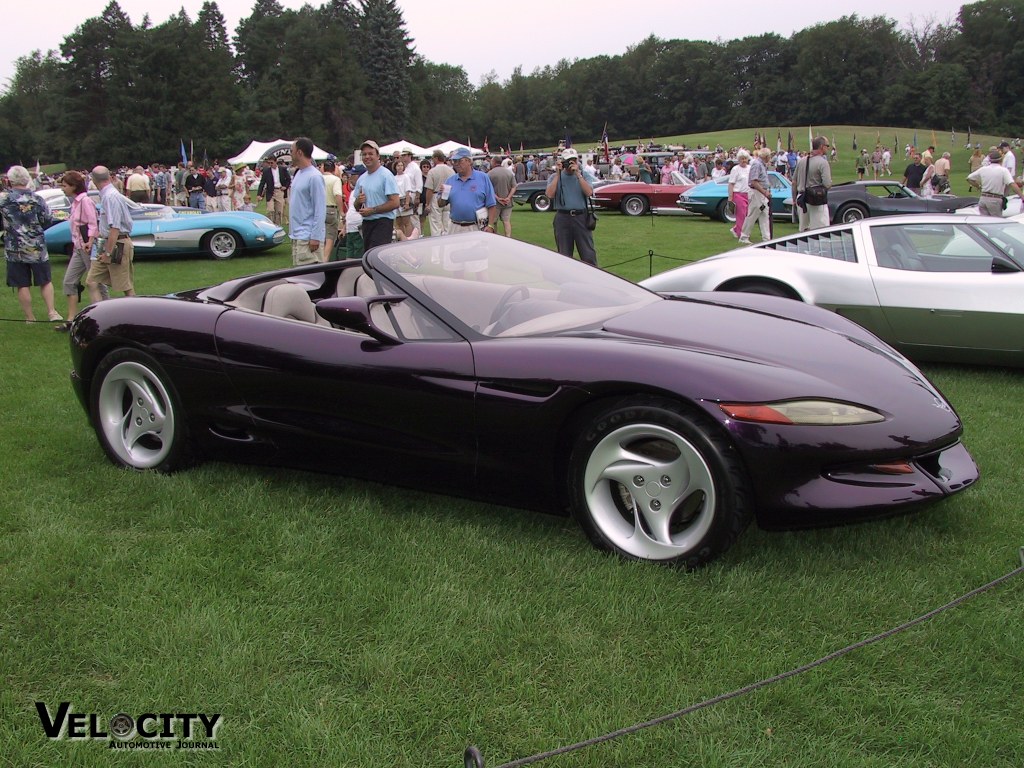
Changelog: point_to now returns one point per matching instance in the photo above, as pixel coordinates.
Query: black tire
(851, 213)
(221, 244)
(763, 287)
(540, 202)
(137, 414)
(650, 481)
(634, 205)
(727, 211)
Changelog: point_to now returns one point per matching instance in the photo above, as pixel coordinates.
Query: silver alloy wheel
(541, 203)
(136, 414)
(634, 205)
(649, 491)
(222, 244)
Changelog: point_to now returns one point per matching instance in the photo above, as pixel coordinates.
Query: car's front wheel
(851, 213)
(727, 211)
(541, 203)
(221, 244)
(136, 413)
(650, 481)
(634, 205)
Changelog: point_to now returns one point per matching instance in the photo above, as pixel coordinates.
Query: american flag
(604, 143)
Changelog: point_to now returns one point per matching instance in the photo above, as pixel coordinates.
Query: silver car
(937, 287)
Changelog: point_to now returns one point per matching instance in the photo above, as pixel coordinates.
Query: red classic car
(635, 198)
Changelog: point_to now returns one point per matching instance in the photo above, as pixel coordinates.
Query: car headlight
(802, 412)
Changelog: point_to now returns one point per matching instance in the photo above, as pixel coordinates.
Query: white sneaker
(733, 232)
(744, 241)
(55, 317)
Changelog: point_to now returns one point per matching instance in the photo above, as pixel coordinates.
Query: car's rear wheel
(727, 211)
(634, 205)
(651, 481)
(850, 213)
(221, 244)
(136, 413)
(541, 203)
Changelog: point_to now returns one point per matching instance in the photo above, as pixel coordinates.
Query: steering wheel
(505, 300)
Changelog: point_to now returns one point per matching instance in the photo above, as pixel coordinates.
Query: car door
(937, 287)
(341, 401)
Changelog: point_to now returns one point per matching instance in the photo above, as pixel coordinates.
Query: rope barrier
(473, 758)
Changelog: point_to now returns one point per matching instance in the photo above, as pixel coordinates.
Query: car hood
(768, 348)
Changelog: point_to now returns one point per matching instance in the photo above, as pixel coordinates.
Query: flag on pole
(878, 138)
(568, 140)
(934, 142)
(521, 147)
(915, 139)
(487, 150)
(778, 142)
(184, 157)
(604, 143)
(810, 138)
(952, 137)
(968, 135)
(789, 142)
(38, 170)
(854, 142)
(192, 150)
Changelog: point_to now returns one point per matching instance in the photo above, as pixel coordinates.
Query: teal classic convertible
(711, 198)
(161, 229)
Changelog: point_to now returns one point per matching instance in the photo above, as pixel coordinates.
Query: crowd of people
(334, 212)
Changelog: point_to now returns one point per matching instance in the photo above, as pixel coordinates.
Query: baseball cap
(461, 153)
(370, 143)
(570, 154)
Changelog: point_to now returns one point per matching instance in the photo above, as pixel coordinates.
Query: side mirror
(353, 312)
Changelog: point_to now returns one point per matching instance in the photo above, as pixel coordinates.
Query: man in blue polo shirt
(308, 209)
(471, 190)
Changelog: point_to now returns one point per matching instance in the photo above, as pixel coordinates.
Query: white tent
(257, 150)
(402, 146)
(450, 146)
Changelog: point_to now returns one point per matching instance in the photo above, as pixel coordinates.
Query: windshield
(502, 287)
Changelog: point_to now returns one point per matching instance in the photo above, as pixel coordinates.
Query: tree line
(118, 92)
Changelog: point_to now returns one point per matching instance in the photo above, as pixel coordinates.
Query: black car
(856, 200)
(531, 193)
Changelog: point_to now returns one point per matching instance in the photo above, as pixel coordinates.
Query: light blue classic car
(161, 229)
(712, 198)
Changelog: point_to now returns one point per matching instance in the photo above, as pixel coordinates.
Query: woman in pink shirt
(84, 229)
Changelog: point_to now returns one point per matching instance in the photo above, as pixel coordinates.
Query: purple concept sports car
(485, 367)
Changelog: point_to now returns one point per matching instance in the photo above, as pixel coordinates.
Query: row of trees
(118, 92)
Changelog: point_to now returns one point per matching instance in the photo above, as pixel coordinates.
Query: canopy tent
(257, 150)
(403, 146)
(450, 146)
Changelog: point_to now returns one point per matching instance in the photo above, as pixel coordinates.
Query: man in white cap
(568, 191)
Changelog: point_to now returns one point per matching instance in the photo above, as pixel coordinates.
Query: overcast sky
(533, 33)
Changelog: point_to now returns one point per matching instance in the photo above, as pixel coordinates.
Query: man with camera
(568, 192)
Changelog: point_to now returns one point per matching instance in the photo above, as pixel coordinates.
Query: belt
(333, 206)
(990, 194)
(464, 223)
(573, 213)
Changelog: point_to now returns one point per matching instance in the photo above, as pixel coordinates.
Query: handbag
(816, 194)
(590, 217)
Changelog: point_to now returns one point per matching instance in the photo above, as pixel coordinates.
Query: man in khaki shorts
(114, 263)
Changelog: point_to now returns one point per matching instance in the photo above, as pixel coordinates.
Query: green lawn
(335, 622)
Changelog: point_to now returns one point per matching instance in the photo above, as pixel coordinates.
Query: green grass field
(334, 622)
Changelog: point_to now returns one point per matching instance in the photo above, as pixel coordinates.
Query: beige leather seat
(292, 302)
